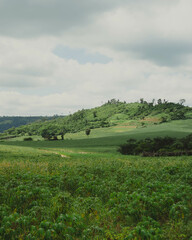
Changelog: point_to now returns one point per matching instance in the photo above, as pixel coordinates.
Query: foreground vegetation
(66, 193)
(82, 188)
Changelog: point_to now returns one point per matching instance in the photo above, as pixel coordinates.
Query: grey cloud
(80, 55)
(10, 81)
(24, 18)
(162, 52)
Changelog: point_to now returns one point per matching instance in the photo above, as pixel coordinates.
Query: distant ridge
(7, 122)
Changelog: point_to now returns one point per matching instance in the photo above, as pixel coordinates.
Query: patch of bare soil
(150, 120)
(125, 126)
(48, 151)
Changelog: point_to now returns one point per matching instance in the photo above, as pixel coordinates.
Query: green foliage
(49, 132)
(157, 146)
(92, 195)
(28, 139)
(12, 122)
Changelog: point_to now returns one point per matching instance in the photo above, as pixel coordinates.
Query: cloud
(156, 31)
(81, 55)
(77, 86)
(58, 56)
(160, 51)
(39, 17)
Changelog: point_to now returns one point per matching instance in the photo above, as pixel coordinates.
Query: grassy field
(82, 188)
(107, 139)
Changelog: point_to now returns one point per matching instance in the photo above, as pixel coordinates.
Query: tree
(88, 131)
(62, 132)
(45, 133)
(182, 101)
(113, 101)
(163, 119)
(49, 132)
(94, 114)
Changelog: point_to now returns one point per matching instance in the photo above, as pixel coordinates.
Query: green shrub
(28, 139)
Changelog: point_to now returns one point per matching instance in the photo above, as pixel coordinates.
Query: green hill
(9, 122)
(112, 117)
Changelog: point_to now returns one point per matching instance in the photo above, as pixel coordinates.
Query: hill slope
(9, 122)
(17, 121)
(114, 113)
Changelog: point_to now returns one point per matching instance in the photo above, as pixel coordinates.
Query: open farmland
(84, 189)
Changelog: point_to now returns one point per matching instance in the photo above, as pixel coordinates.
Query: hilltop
(114, 113)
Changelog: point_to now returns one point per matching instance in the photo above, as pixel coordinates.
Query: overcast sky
(59, 56)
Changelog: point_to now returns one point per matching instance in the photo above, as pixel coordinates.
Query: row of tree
(155, 146)
(52, 132)
(160, 101)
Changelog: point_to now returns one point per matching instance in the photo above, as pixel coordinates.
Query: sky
(60, 56)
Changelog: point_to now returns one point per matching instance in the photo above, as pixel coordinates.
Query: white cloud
(149, 42)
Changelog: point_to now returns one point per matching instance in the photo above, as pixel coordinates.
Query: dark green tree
(49, 132)
(88, 131)
(45, 133)
(94, 114)
(62, 131)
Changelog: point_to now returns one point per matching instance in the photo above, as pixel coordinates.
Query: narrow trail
(61, 155)
(48, 151)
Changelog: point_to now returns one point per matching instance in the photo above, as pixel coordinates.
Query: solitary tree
(88, 131)
(159, 101)
(182, 101)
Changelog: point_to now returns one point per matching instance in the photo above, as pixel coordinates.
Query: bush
(28, 139)
(158, 146)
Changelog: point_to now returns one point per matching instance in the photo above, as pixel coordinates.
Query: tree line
(158, 146)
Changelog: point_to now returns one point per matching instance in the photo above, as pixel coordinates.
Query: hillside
(114, 113)
(7, 122)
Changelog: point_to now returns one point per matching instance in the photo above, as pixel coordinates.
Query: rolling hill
(113, 118)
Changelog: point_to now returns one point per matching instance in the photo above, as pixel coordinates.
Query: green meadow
(107, 139)
(82, 188)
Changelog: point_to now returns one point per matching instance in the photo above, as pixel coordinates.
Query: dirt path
(61, 155)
